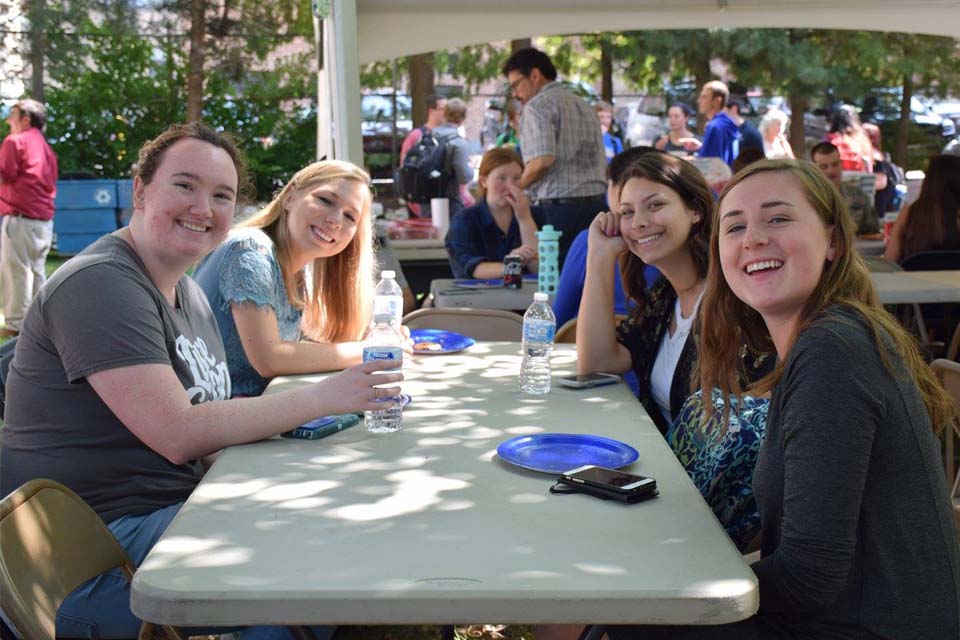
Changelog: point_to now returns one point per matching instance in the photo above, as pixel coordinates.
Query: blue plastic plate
(448, 341)
(479, 283)
(560, 452)
(532, 277)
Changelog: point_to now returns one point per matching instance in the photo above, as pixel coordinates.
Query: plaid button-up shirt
(557, 123)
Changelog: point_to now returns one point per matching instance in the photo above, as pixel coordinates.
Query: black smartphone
(609, 480)
(587, 380)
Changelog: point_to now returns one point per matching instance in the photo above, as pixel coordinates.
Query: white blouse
(661, 377)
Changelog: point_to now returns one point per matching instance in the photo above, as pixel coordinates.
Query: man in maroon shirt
(28, 186)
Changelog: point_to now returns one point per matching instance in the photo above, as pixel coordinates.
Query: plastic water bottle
(388, 297)
(548, 271)
(539, 328)
(384, 343)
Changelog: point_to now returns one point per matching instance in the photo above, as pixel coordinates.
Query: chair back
(567, 333)
(51, 542)
(932, 261)
(948, 373)
(940, 319)
(953, 349)
(480, 324)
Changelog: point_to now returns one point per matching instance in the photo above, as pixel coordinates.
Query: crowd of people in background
(748, 322)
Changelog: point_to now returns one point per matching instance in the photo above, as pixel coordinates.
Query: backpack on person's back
(427, 169)
(890, 198)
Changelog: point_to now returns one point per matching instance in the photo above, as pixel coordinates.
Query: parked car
(883, 106)
(378, 120)
(948, 109)
(379, 129)
(643, 127)
(953, 147)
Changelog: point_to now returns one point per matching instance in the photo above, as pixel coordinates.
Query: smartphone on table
(610, 483)
(588, 380)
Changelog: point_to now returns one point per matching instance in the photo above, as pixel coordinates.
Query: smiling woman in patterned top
(664, 220)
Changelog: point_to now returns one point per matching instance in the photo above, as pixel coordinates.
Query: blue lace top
(720, 458)
(245, 269)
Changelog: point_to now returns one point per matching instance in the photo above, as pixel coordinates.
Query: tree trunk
(198, 28)
(700, 65)
(903, 124)
(798, 106)
(421, 85)
(606, 70)
(520, 43)
(37, 47)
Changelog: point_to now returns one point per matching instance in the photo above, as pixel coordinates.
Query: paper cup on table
(440, 214)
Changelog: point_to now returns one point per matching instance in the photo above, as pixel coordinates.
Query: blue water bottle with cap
(548, 246)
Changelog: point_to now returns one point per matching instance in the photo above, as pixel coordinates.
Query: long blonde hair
(845, 281)
(338, 307)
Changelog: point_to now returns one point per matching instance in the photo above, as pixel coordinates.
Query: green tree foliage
(473, 65)
(119, 89)
(269, 112)
(107, 107)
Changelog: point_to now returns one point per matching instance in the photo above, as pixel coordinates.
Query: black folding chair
(941, 318)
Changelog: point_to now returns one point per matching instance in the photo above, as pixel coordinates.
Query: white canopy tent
(363, 31)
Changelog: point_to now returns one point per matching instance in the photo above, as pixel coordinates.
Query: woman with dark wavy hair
(930, 223)
(664, 221)
(858, 536)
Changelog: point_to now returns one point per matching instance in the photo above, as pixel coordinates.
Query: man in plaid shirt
(561, 143)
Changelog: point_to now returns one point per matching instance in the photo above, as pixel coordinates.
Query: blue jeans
(100, 608)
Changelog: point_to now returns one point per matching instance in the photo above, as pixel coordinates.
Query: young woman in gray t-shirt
(119, 384)
(858, 536)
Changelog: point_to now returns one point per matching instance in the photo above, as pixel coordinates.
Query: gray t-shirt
(101, 311)
(858, 536)
(458, 156)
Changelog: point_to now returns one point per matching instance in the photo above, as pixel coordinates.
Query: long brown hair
(845, 281)
(687, 181)
(932, 223)
(339, 304)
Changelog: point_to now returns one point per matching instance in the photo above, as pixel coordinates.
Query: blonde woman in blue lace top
(255, 280)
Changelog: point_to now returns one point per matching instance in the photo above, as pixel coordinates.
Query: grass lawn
(54, 260)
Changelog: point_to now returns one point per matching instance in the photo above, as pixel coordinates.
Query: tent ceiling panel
(395, 28)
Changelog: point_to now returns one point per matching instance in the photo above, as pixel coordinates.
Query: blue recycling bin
(85, 210)
(124, 201)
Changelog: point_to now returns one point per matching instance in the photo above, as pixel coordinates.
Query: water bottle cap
(383, 318)
(389, 274)
(540, 297)
(548, 233)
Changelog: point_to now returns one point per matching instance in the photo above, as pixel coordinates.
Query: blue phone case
(323, 427)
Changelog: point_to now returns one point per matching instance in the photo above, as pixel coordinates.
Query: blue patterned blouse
(245, 269)
(720, 460)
